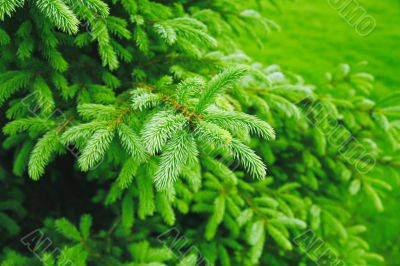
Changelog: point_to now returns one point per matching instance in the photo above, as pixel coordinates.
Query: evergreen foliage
(153, 112)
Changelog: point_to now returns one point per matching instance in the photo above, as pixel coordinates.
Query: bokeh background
(313, 40)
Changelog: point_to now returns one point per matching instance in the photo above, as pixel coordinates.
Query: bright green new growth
(180, 151)
(60, 14)
(150, 112)
(165, 128)
(41, 154)
(7, 7)
(217, 85)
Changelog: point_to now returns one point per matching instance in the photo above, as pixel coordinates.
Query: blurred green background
(313, 40)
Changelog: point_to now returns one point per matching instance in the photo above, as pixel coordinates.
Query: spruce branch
(32, 125)
(131, 142)
(127, 173)
(43, 95)
(248, 159)
(7, 7)
(232, 120)
(217, 85)
(42, 152)
(60, 14)
(181, 150)
(96, 111)
(205, 131)
(11, 82)
(161, 127)
(95, 148)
